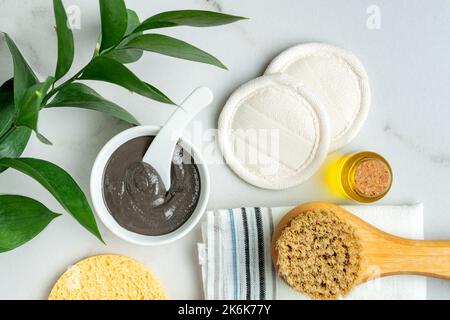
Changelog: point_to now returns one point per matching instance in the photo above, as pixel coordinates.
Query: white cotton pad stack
(275, 131)
(339, 80)
(274, 134)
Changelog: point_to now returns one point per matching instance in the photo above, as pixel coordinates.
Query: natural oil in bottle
(363, 176)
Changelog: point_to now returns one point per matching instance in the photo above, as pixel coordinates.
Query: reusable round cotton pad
(273, 132)
(108, 277)
(338, 79)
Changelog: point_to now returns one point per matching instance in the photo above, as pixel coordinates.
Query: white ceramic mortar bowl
(96, 185)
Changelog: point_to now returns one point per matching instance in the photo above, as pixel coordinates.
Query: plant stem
(62, 85)
(77, 75)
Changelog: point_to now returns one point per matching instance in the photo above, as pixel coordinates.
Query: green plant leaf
(21, 219)
(125, 56)
(193, 18)
(24, 76)
(128, 55)
(114, 19)
(65, 40)
(42, 138)
(61, 185)
(133, 21)
(81, 96)
(30, 105)
(7, 109)
(112, 71)
(172, 47)
(13, 144)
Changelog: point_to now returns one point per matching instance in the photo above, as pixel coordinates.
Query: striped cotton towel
(237, 264)
(236, 254)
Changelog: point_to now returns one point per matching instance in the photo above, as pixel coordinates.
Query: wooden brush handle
(403, 256)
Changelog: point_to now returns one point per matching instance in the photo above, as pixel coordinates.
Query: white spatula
(160, 153)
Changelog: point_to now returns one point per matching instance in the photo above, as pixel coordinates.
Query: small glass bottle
(364, 176)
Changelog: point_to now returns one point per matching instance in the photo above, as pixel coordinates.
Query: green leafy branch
(22, 98)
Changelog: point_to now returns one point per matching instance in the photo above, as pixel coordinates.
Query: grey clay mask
(136, 197)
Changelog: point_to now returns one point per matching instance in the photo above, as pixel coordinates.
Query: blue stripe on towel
(233, 245)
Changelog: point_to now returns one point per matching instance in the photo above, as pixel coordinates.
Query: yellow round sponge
(108, 277)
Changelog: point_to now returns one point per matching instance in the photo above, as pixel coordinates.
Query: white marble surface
(409, 68)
